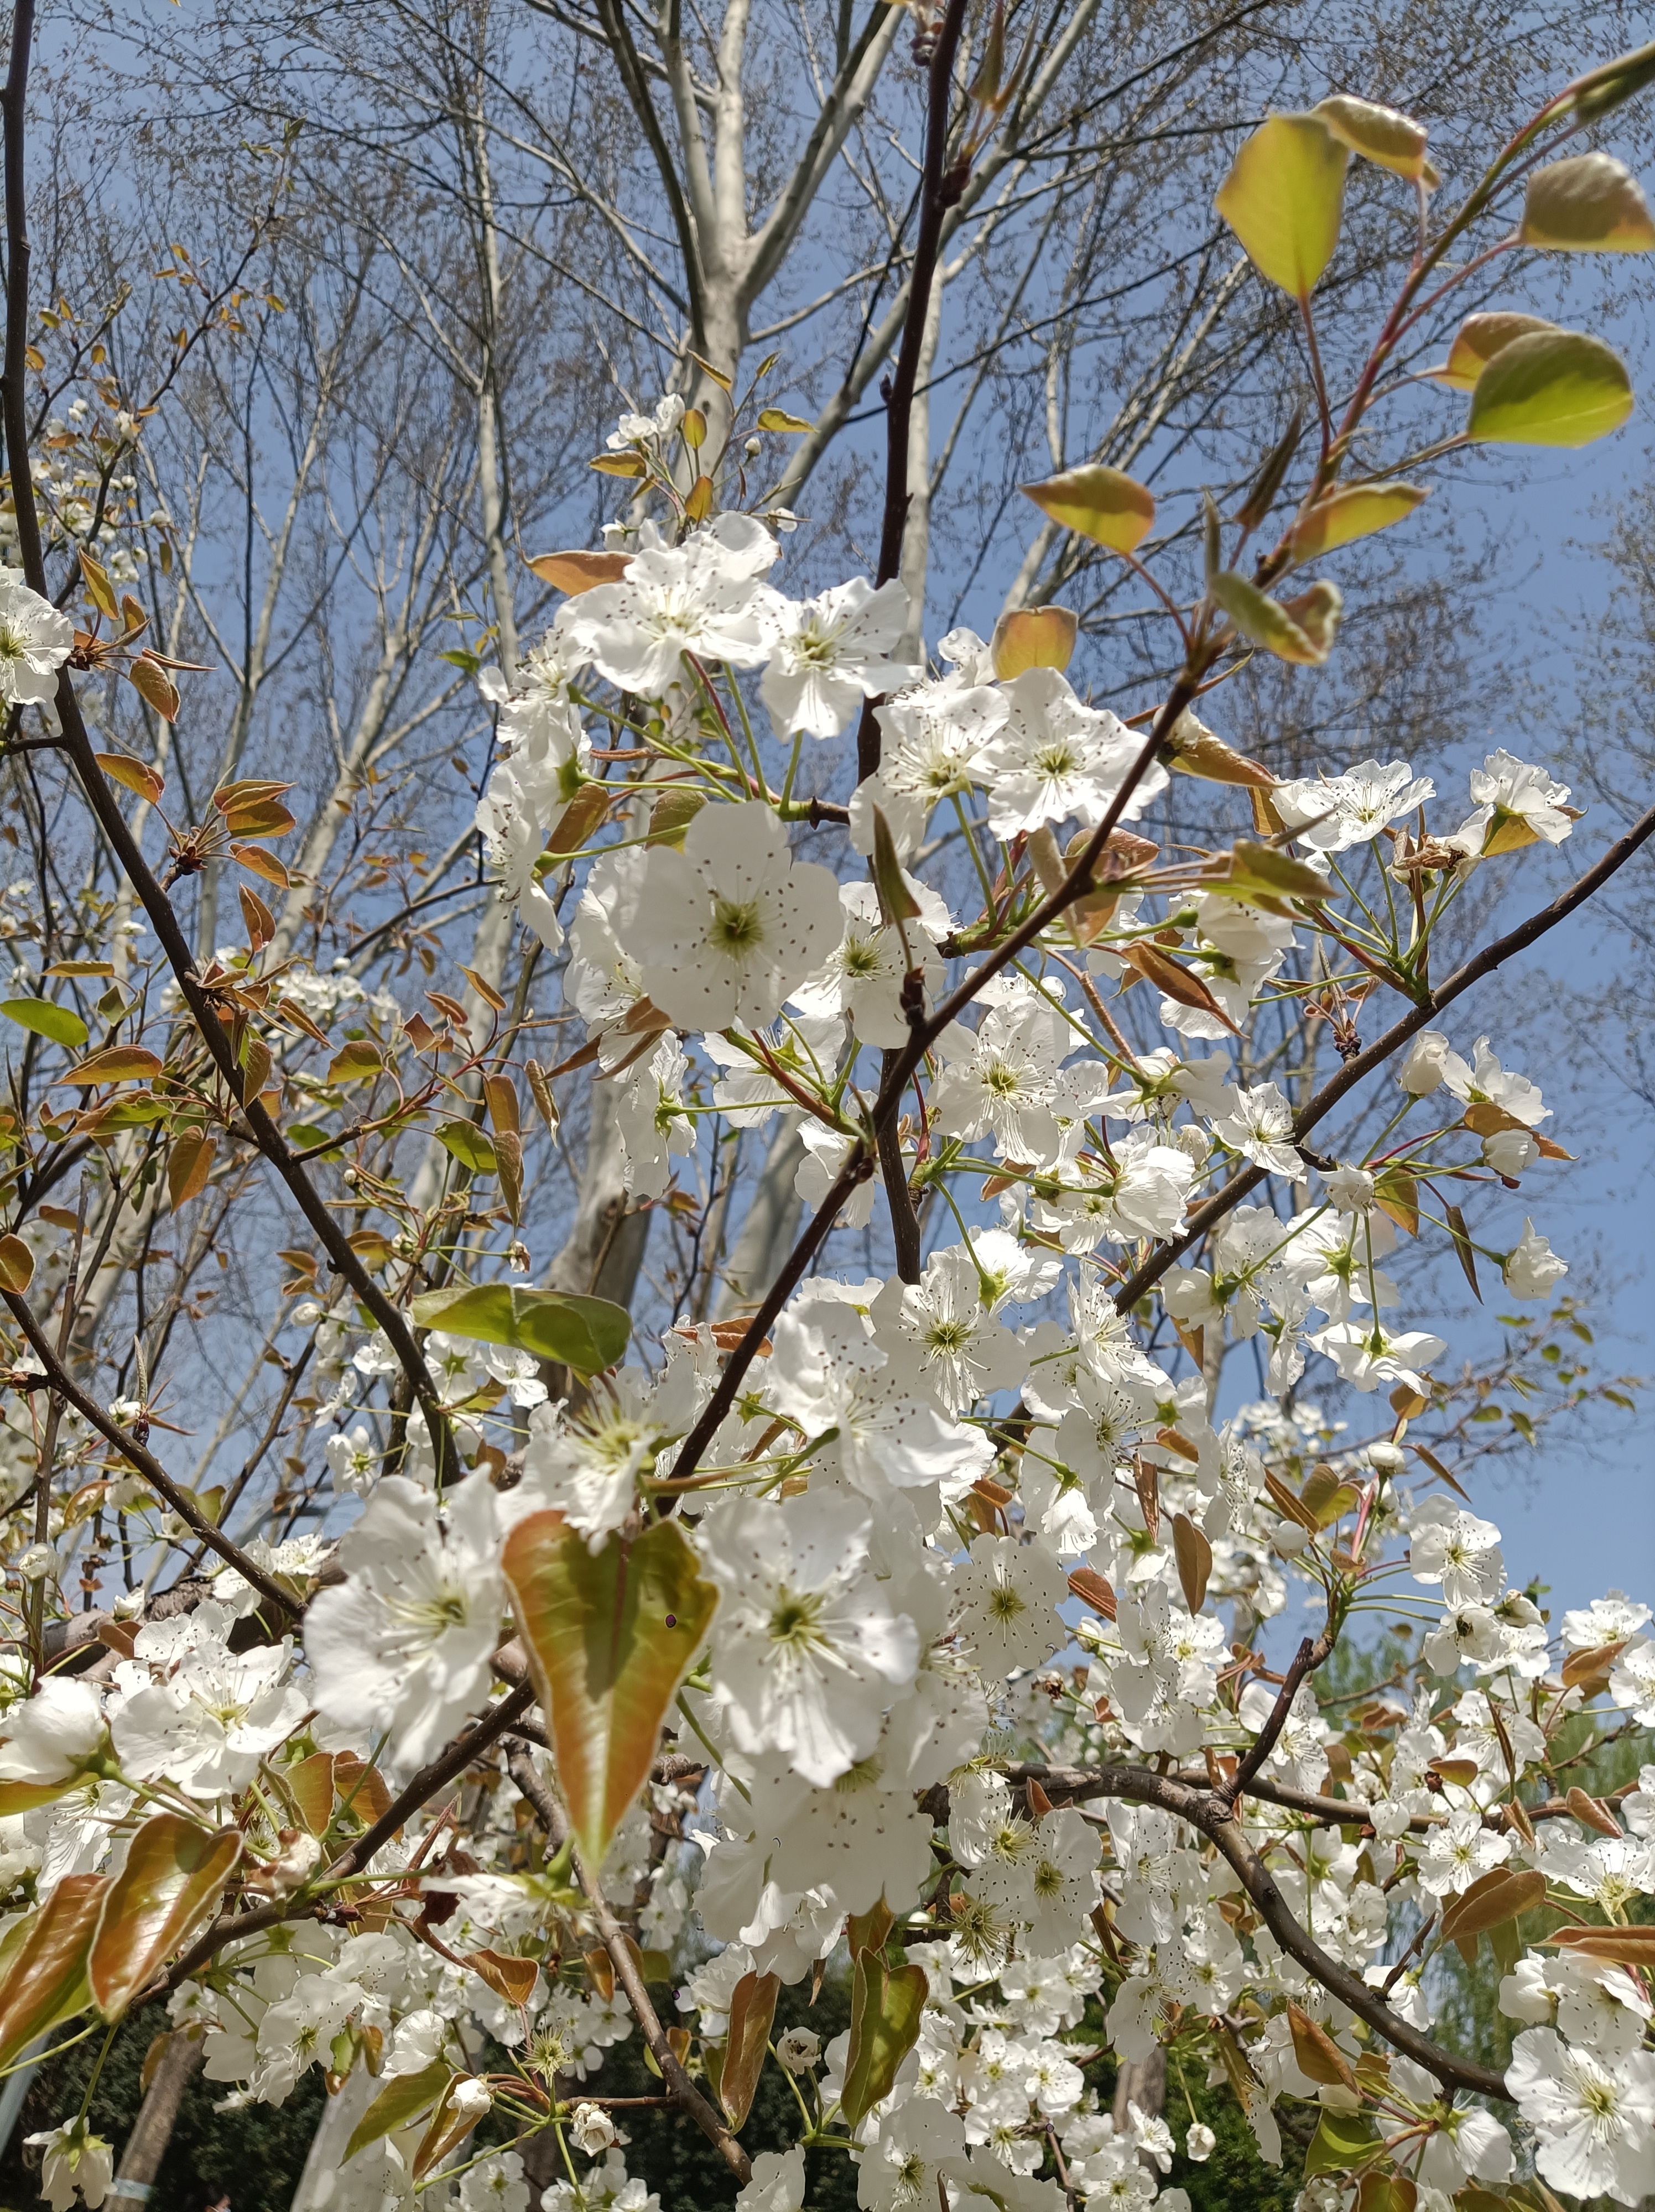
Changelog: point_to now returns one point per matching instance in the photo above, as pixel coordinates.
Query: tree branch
(63, 1386)
(1353, 1071)
(1212, 1815)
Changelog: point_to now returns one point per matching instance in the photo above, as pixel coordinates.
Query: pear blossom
(404, 1642)
(805, 1649)
(724, 931)
(831, 653)
(35, 640)
(1532, 1268)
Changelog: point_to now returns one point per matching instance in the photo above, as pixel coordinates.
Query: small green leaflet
(587, 1334)
(62, 1024)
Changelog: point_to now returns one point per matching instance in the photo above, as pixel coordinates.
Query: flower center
(794, 1622)
(738, 926)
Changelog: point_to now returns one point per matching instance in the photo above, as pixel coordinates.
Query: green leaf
(46, 1981)
(304, 1136)
(611, 1635)
(160, 1901)
(1097, 502)
(1342, 2140)
(468, 1145)
(1284, 198)
(885, 2004)
(400, 2102)
(1550, 388)
(777, 418)
(752, 2007)
(1381, 134)
(62, 1024)
(1476, 342)
(587, 1334)
(1590, 203)
(1344, 516)
(1299, 630)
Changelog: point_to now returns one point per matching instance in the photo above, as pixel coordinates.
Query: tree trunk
(1142, 2082)
(769, 1228)
(152, 2130)
(333, 2131)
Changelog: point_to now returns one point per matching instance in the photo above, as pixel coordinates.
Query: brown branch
(682, 2090)
(685, 2095)
(941, 186)
(63, 1386)
(1309, 1657)
(1212, 1815)
(1481, 964)
(442, 1769)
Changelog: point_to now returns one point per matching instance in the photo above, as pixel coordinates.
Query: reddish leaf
(160, 1901)
(610, 1636)
(43, 1979)
(752, 2007)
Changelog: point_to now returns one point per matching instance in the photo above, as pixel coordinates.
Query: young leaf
(60, 1025)
(506, 1973)
(1620, 1947)
(885, 2004)
(401, 2102)
(1476, 342)
(611, 1635)
(189, 1164)
(698, 504)
(16, 1266)
(1281, 629)
(580, 821)
(1358, 512)
(509, 1161)
(98, 589)
(153, 686)
(1195, 1556)
(133, 774)
(587, 1334)
(1033, 637)
(310, 1785)
(896, 903)
(1462, 1251)
(45, 1980)
(1379, 135)
(116, 1063)
(1500, 1895)
(1097, 502)
(1550, 388)
(575, 572)
(1589, 204)
(261, 863)
(777, 418)
(160, 1901)
(1316, 2054)
(458, 2109)
(1284, 199)
(752, 2007)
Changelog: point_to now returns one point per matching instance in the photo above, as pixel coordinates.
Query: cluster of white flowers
(963, 1537)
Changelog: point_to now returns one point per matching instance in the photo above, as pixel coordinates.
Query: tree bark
(152, 2130)
(1142, 2082)
(769, 1228)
